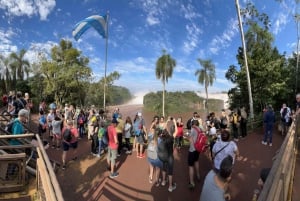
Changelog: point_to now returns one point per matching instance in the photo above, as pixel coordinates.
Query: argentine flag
(96, 21)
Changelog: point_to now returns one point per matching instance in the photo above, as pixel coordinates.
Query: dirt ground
(86, 179)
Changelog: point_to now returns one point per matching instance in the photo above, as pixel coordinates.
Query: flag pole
(105, 65)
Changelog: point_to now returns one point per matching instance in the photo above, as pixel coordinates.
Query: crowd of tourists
(114, 136)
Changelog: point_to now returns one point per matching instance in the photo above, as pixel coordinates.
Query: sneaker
(264, 143)
(53, 146)
(270, 144)
(64, 167)
(163, 183)
(191, 186)
(98, 156)
(114, 175)
(118, 155)
(172, 188)
(128, 152)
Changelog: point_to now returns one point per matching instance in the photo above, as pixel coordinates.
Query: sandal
(157, 183)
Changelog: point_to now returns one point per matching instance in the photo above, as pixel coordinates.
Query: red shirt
(112, 134)
(179, 130)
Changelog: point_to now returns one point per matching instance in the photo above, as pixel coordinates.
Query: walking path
(86, 179)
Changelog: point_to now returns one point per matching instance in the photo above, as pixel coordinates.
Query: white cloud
(7, 46)
(225, 39)
(280, 22)
(193, 33)
(28, 7)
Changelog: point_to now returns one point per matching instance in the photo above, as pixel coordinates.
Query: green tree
(206, 75)
(266, 65)
(66, 74)
(164, 70)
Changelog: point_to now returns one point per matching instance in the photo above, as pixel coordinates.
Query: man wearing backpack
(193, 155)
(70, 139)
(285, 113)
(19, 103)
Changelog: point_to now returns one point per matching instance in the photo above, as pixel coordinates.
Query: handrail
(53, 180)
(280, 179)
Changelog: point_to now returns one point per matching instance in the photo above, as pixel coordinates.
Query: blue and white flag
(96, 21)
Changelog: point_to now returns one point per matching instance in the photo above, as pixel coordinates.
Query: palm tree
(19, 64)
(5, 74)
(164, 70)
(206, 75)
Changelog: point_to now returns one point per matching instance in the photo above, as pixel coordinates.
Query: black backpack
(9, 126)
(189, 124)
(67, 135)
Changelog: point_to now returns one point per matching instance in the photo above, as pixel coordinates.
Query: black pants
(120, 140)
(127, 144)
(243, 128)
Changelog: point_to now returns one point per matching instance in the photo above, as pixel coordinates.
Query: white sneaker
(264, 143)
(128, 152)
(172, 188)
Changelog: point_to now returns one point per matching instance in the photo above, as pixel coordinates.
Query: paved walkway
(87, 179)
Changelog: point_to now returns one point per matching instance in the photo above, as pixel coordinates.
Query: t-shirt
(210, 190)
(193, 134)
(127, 130)
(229, 150)
(56, 125)
(179, 130)
(112, 133)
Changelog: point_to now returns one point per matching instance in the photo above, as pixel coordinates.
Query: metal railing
(278, 186)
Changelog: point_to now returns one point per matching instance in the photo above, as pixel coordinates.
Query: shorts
(66, 146)
(193, 157)
(139, 139)
(112, 155)
(156, 162)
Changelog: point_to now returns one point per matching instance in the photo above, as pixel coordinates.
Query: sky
(138, 32)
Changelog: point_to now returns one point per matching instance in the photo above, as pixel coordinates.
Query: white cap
(139, 114)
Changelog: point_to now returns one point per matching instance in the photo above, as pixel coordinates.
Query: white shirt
(229, 150)
(127, 129)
